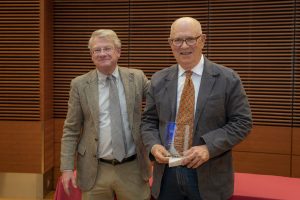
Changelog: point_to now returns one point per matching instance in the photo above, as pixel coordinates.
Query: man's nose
(184, 44)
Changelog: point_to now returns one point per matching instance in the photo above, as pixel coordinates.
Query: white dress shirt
(105, 150)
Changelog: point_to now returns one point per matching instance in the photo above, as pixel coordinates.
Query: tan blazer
(81, 129)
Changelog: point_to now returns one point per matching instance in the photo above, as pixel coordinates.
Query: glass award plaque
(176, 142)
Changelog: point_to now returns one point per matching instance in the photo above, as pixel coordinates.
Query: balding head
(187, 41)
(186, 23)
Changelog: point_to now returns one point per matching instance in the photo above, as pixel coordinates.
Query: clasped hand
(193, 157)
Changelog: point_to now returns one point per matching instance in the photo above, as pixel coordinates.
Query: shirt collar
(102, 77)
(198, 69)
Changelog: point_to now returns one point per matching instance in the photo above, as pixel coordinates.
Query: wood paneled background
(43, 45)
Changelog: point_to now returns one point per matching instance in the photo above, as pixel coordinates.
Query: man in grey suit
(102, 128)
(221, 119)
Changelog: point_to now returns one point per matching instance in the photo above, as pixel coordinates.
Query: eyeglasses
(106, 50)
(190, 41)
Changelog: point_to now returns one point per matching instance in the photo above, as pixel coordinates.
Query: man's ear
(119, 51)
(203, 38)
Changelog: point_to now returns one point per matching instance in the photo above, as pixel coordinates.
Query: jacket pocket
(81, 150)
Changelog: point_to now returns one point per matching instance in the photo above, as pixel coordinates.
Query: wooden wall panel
(19, 60)
(57, 154)
(26, 88)
(296, 63)
(46, 60)
(21, 147)
(58, 127)
(57, 172)
(48, 147)
(296, 141)
(48, 158)
(58, 130)
(267, 139)
(46, 92)
(56, 176)
(296, 166)
(256, 39)
(262, 163)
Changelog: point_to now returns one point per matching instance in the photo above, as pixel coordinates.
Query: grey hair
(105, 33)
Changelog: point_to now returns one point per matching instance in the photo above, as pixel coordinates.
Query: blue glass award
(176, 142)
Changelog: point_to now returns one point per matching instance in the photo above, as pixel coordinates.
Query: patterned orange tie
(185, 114)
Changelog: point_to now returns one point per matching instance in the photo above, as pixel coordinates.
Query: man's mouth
(185, 53)
(103, 60)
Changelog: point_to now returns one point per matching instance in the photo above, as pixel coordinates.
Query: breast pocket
(214, 110)
(216, 102)
(163, 106)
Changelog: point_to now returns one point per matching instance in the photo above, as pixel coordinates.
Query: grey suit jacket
(222, 120)
(81, 129)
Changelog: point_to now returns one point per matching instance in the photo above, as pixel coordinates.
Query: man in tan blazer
(87, 144)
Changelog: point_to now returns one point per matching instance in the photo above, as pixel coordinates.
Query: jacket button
(96, 139)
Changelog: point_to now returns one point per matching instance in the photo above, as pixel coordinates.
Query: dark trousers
(179, 183)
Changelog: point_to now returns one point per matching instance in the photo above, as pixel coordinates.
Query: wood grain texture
(296, 141)
(58, 130)
(21, 147)
(262, 163)
(48, 147)
(296, 166)
(267, 139)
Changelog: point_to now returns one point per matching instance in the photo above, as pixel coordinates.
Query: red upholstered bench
(265, 187)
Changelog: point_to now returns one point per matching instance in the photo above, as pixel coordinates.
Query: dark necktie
(117, 127)
(185, 115)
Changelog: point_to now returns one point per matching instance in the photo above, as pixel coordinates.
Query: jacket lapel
(129, 89)
(92, 96)
(171, 81)
(207, 81)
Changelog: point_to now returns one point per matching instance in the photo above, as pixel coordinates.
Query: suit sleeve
(238, 119)
(71, 129)
(150, 123)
